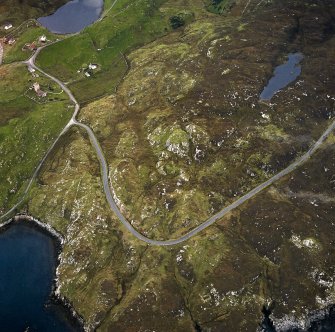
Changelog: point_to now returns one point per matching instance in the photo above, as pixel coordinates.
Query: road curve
(109, 196)
(31, 63)
(108, 187)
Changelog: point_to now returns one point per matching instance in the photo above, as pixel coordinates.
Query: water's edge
(67, 20)
(314, 320)
(55, 298)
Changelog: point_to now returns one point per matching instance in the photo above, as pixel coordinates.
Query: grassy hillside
(184, 135)
(27, 127)
(129, 25)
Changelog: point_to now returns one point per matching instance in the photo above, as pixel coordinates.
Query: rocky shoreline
(313, 321)
(55, 297)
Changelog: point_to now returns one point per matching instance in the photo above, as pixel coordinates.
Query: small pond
(283, 75)
(73, 17)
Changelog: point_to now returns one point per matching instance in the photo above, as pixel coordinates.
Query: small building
(38, 90)
(43, 39)
(36, 87)
(11, 41)
(33, 47)
(8, 26)
(92, 66)
(30, 47)
(31, 70)
(41, 93)
(87, 74)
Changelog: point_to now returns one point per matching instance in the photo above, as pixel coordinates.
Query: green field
(27, 128)
(127, 26)
(25, 121)
(25, 35)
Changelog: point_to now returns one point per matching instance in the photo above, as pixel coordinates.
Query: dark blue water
(73, 17)
(283, 75)
(28, 259)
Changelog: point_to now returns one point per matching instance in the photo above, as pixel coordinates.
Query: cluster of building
(32, 71)
(8, 39)
(34, 45)
(89, 70)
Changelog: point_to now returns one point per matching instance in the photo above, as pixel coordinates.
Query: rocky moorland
(185, 135)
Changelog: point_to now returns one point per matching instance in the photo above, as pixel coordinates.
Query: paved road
(109, 190)
(104, 14)
(31, 63)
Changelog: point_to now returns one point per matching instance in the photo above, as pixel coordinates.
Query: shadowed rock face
(183, 136)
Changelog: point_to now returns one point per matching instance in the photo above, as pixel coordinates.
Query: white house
(8, 26)
(38, 90)
(87, 74)
(36, 87)
(43, 39)
(92, 66)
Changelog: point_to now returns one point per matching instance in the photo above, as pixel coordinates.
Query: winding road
(108, 189)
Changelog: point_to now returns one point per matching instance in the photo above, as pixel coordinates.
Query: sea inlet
(28, 261)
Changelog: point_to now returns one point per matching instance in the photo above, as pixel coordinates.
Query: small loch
(283, 76)
(73, 17)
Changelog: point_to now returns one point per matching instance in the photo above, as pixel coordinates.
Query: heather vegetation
(174, 103)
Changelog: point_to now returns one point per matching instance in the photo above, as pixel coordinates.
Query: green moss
(273, 133)
(178, 137)
(241, 27)
(218, 6)
(171, 168)
(126, 145)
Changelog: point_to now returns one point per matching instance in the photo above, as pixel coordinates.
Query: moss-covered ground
(185, 134)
